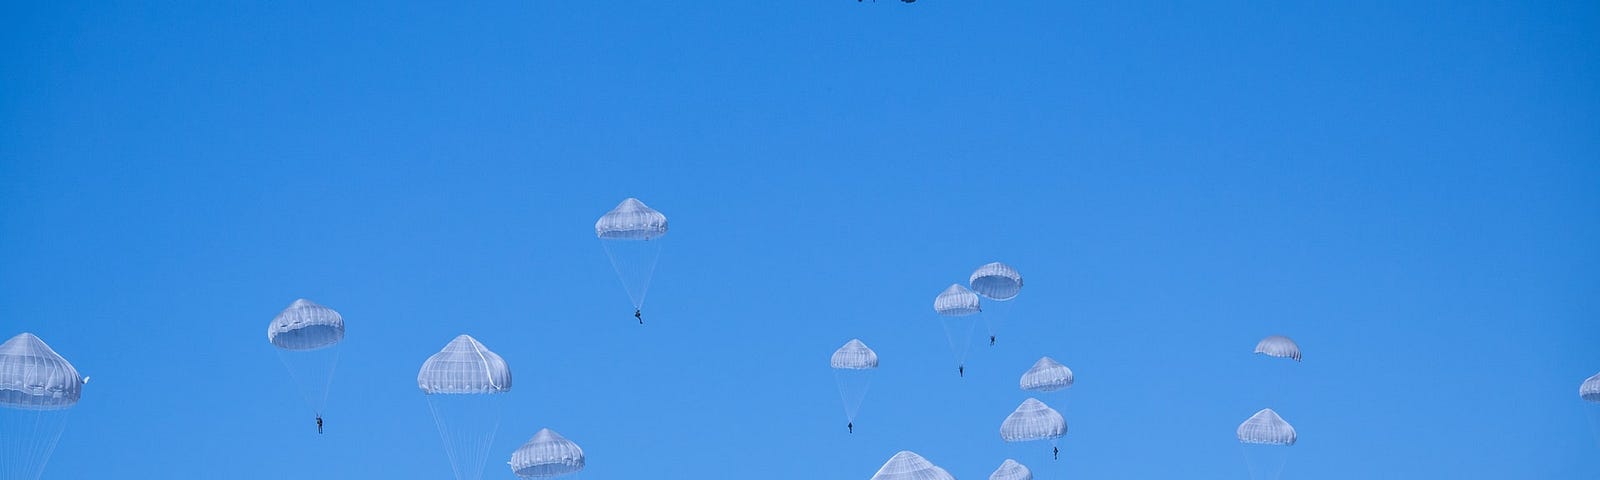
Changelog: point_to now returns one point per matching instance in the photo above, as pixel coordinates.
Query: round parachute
(854, 355)
(464, 367)
(1590, 390)
(631, 220)
(1278, 346)
(1011, 470)
(907, 465)
(305, 326)
(34, 377)
(1266, 428)
(956, 301)
(1033, 420)
(996, 281)
(1047, 375)
(546, 455)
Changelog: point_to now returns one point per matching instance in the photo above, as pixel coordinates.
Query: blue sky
(1410, 191)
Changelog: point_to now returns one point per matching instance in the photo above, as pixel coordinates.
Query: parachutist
(1056, 451)
(991, 340)
(319, 424)
(639, 316)
(851, 426)
(962, 371)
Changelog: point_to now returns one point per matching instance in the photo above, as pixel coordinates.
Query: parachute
(1047, 375)
(1001, 283)
(1264, 437)
(306, 336)
(853, 365)
(547, 455)
(463, 384)
(956, 305)
(1589, 391)
(907, 465)
(1011, 470)
(1031, 421)
(631, 235)
(1278, 346)
(37, 390)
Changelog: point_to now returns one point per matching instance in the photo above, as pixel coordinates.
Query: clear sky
(1409, 189)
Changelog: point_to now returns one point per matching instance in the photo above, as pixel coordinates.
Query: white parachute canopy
(463, 384)
(853, 365)
(464, 366)
(630, 234)
(305, 326)
(34, 377)
(37, 391)
(546, 455)
(854, 355)
(1047, 375)
(996, 281)
(1033, 420)
(1590, 390)
(1278, 346)
(907, 465)
(1011, 470)
(956, 301)
(1266, 428)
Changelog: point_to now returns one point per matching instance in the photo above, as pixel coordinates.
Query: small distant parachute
(1590, 390)
(547, 455)
(907, 465)
(956, 305)
(1047, 375)
(1011, 470)
(463, 384)
(306, 336)
(37, 390)
(996, 281)
(853, 365)
(1264, 437)
(1278, 346)
(631, 234)
(1033, 420)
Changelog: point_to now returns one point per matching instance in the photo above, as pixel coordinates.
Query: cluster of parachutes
(465, 381)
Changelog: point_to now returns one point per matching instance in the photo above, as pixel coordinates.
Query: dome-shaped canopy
(1266, 428)
(1590, 390)
(631, 220)
(1033, 420)
(464, 367)
(907, 465)
(34, 377)
(996, 281)
(1047, 375)
(1011, 470)
(854, 355)
(956, 301)
(305, 325)
(547, 454)
(1278, 346)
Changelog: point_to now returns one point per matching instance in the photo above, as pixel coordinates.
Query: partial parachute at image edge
(1011, 470)
(34, 377)
(1590, 389)
(907, 465)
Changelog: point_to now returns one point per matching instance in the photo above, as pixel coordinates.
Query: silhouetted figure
(639, 316)
(1056, 451)
(851, 426)
(319, 424)
(991, 340)
(962, 371)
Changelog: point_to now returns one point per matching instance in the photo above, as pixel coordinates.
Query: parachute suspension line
(318, 398)
(466, 447)
(958, 330)
(444, 436)
(621, 258)
(39, 431)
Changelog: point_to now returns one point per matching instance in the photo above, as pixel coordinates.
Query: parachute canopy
(547, 454)
(1266, 428)
(631, 220)
(1278, 346)
(854, 355)
(996, 281)
(305, 325)
(464, 367)
(907, 465)
(956, 301)
(1033, 420)
(1011, 470)
(34, 377)
(1590, 390)
(1047, 375)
